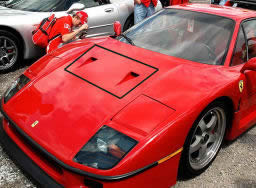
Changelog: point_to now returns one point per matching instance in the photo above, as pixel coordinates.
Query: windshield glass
(188, 35)
(37, 5)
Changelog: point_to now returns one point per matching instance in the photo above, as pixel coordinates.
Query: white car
(18, 18)
(3, 2)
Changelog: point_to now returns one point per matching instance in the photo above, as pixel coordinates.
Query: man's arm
(70, 36)
(137, 1)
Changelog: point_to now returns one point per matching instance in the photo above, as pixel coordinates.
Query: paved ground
(235, 165)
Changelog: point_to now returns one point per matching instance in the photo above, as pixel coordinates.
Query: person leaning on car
(143, 9)
(62, 33)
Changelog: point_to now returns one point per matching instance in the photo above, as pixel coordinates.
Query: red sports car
(137, 109)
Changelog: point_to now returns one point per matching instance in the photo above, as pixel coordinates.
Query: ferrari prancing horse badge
(241, 85)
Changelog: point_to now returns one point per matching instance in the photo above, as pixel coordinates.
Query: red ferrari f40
(139, 108)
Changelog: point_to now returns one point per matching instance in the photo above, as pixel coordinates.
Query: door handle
(109, 10)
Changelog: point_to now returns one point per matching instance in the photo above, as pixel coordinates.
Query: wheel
(10, 51)
(203, 141)
(129, 23)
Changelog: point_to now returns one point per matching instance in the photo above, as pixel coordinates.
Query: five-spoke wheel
(9, 50)
(207, 138)
(204, 140)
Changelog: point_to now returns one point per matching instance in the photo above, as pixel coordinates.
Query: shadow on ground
(245, 183)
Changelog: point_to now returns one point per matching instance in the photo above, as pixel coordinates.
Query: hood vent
(128, 77)
(110, 71)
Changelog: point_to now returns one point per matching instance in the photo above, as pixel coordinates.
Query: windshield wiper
(128, 39)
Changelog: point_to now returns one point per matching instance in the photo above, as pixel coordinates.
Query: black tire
(187, 167)
(129, 23)
(11, 53)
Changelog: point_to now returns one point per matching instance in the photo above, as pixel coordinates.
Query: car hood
(93, 88)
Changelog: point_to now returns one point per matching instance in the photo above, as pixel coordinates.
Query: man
(179, 2)
(143, 9)
(62, 33)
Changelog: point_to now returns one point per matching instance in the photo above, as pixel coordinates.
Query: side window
(239, 56)
(69, 3)
(93, 3)
(250, 32)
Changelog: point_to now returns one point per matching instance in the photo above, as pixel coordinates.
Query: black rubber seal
(70, 168)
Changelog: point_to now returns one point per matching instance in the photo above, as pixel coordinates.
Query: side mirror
(117, 28)
(76, 7)
(250, 65)
(229, 4)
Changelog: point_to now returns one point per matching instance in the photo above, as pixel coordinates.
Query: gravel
(235, 166)
(10, 175)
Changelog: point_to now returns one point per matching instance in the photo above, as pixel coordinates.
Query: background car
(248, 4)
(156, 101)
(19, 18)
(4, 2)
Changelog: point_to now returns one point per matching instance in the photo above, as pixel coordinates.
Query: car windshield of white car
(190, 35)
(37, 5)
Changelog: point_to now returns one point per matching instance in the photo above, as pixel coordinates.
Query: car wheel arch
(228, 102)
(224, 102)
(18, 36)
(230, 108)
(129, 18)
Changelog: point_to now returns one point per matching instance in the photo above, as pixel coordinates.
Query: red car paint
(71, 108)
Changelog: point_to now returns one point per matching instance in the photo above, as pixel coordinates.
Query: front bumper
(25, 162)
(50, 172)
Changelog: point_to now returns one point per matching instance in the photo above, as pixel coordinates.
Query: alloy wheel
(8, 52)
(207, 138)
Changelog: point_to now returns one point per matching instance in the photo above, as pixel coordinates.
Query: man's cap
(83, 16)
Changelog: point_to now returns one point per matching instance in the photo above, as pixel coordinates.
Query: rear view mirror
(117, 28)
(250, 65)
(75, 7)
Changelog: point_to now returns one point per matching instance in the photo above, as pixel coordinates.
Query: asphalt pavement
(235, 166)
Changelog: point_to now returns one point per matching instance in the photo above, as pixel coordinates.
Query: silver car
(3, 2)
(18, 18)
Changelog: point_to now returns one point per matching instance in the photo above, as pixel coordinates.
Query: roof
(230, 12)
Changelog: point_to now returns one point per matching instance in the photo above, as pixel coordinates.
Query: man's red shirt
(62, 26)
(178, 2)
(147, 2)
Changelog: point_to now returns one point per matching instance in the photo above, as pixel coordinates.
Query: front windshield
(37, 5)
(188, 35)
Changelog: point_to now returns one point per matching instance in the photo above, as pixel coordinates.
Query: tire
(10, 51)
(203, 141)
(129, 23)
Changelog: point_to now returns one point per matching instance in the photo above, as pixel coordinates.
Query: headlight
(15, 87)
(105, 149)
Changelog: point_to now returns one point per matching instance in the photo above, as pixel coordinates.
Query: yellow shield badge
(241, 85)
(34, 124)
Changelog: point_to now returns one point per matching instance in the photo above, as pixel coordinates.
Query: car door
(101, 16)
(246, 49)
(250, 34)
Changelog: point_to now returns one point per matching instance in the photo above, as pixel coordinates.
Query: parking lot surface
(235, 166)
